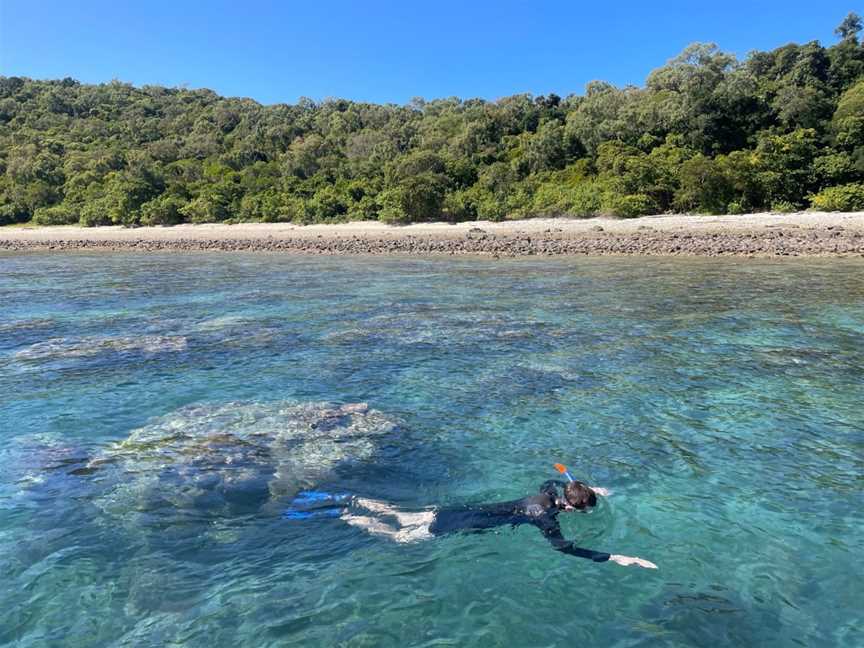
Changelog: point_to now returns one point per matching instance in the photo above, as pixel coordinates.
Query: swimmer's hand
(603, 492)
(630, 560)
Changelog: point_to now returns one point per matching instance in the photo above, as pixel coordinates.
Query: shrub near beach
(848, 197)
(781, 130)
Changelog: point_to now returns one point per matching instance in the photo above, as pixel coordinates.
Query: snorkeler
(540, 510)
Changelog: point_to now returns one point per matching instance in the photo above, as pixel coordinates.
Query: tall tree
(849, 28)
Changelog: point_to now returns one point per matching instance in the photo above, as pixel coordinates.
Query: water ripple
(157, 412)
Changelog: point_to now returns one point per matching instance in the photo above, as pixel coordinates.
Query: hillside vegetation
(780, 130)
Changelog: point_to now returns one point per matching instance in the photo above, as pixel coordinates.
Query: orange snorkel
(563, 470)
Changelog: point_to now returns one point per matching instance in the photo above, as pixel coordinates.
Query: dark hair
(579, 496)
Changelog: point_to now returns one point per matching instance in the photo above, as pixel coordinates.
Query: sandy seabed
(764, 235)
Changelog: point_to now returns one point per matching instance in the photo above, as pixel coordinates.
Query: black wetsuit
(539, 510)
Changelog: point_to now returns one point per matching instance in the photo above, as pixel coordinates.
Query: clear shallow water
(720, 400)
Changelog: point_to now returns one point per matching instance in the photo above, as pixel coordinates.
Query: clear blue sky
(386, 51)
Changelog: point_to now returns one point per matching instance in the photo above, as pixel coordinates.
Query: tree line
(780, 130)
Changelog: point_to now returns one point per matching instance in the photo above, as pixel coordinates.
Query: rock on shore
(765, 236)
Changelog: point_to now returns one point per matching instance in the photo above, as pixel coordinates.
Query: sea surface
(158, 413)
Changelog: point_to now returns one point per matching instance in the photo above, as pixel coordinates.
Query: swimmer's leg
(371, 525)
(412, 526)
(376, 506)
(379, 528)
(404, 518)
(419, 518)
(416, 526)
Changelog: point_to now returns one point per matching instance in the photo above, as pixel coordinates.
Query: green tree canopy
(707, 132)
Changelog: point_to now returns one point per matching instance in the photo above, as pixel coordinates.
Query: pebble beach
(751, 235)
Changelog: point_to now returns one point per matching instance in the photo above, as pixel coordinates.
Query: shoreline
(746, 235)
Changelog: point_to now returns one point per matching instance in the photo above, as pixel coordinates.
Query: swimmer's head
(578, 496)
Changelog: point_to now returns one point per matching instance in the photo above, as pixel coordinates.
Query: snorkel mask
(561, 468)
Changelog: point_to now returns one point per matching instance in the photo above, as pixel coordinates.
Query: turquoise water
(719, 400)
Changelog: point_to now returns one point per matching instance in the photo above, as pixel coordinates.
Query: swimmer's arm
(553, 533)
(567, 547)
(599, 490)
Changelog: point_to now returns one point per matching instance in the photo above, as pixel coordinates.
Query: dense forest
(781, 130)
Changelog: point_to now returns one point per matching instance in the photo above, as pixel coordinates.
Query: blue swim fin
(294, 514)
(311, 497)
(307, 498)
